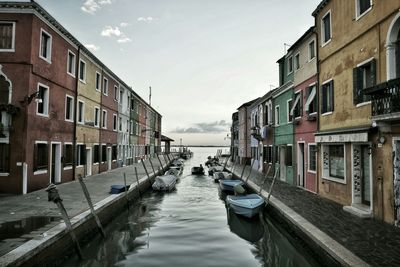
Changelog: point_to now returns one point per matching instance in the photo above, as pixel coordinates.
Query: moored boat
(221, 175)
(164, 183)
(245, 205)
(229, 184)
(213, 169)
(198, 170)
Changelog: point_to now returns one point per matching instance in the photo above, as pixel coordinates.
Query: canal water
(191, 227)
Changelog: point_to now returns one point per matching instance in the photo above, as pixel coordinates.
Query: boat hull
(228, 184)
(247, 205)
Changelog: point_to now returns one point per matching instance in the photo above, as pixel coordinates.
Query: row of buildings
(332, 126)
(63, 112)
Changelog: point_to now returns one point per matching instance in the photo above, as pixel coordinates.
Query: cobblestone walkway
(375, 242)
(14, 208)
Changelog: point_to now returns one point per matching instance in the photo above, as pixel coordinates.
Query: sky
(202, 58)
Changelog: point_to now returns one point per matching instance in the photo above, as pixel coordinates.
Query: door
(282, 170)
(109, 158)
(365, 175)
(300, 164)
(89, 161)
(396, 185)
(55, 163)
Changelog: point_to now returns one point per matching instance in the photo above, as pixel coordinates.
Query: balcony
(385, 100)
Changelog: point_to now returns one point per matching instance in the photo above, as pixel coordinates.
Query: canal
(191, 227)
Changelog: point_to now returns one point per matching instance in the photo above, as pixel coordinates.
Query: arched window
(5, 89)
(393, 49)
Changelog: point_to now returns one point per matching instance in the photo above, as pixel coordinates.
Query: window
(129, 102)
(311, 103)
(327, 97)
(296, 110)
(364, 76)
(105, 86)
(297, 61)
(114, 152)
(116, 93)
(80, 155)
(289, 108)
(104, 119)
(96, 154)
(81, 112)
(288, 156)
(137, 128)
(7, 36)
(277, 151)
(98, 80)
(363, 6)
(4, 158)
(120, 124)
(68, 155)
(40, 157)
(268, 154)
(290, 65)
(43, 100)
(312, 157)
(82, 70)
(311, 50)
(71, 63)
(45, 45)
(333, 162)
(121, 96)
(114, 122)
(277, 117)
(96, 116)
(127, 126)
(69, 108)
(132, 103)
(103, 153)
(326, 29)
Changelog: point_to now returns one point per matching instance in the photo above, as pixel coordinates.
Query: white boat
(213, 169)
(245, 205)
(221, 175)
(174, 170)
(164, 183)
(229, 184)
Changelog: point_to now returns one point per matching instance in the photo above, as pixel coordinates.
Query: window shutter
(332, 96)
(324, 98)
(301, 104)
(355, 86)
(35, 149)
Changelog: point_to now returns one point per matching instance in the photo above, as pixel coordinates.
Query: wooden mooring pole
(145, 169)
(151, 164)
(159, 160)
(137, 180)
(126, 191)
(244, 167)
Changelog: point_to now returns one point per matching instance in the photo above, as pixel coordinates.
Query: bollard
(89, 201)
(138, 184)
(147, 173)
(126, 191)
(160, 163)
(151, 164)
(244, 167)
(55, 197)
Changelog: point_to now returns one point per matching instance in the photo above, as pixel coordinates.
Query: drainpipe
(75, 115)
(317, 96)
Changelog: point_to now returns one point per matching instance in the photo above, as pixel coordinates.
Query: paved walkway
(19, 207)
(375, 242)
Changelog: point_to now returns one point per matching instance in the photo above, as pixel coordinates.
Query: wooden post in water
(89, 201)
(151, 164)
(137, 180)
(145, 169)
(162, 167)
(55, 197)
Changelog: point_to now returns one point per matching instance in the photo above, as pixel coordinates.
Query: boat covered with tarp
(164, 183)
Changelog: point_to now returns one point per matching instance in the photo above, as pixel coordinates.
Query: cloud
(92, 6)
(124, 40)
(204, 127)
(147, 20)
(92, 47)
(110, 31)
(124, 24)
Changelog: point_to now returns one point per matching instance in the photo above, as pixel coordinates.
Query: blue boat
(118, 188)
(245, 205)
(229, 184)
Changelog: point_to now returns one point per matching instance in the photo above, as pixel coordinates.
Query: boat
(221, 175)
(177, 162)
(174, 170)
(118, 188)
(198, 170)
(164, 183)
(213, 169)
(229, 184)
(245, 205)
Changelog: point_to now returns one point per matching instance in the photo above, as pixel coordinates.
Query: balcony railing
(385, 98)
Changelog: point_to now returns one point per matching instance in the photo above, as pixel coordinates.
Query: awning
(311, 98)
(296, 101)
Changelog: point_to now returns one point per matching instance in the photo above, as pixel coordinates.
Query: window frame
(103, 118)
(289, 107)
(105, 88)
(6, 159)
(94, 162)
(323, 174)
(84, 71)
(359, 15)
(67, 166)
(296, 66)
(71, 111)
(313, 49)
(37, 171)
(94, 117)
(45, 101)
(98, 82)
(116, 94)
(115, 122)
(12, 49)
(324, 84)
(290, 65)
(80, 111)
(362, 65)
(308, 158)
(69, 65)
(323, 41)
(277, 115)
(48, 58)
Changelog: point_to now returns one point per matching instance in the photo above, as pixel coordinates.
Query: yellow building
(355, 168)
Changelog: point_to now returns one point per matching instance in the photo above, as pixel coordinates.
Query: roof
(248, 103)
(37, 9)
(304, 36)
(166, 139)
(320, 7)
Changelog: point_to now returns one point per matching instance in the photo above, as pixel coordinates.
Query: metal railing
(385, 97)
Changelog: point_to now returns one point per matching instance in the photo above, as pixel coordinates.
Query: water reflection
(190, 227)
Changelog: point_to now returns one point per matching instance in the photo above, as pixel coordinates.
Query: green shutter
(355, 86)
(324, 97)
(332, 96)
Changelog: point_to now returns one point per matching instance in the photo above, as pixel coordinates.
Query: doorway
(109, 158)
(396, 183)
(300, 165)
(282, 169)
(55, 171)
(89, 161)
(362, 186)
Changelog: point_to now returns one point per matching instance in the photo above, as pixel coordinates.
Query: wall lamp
(28, 99)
